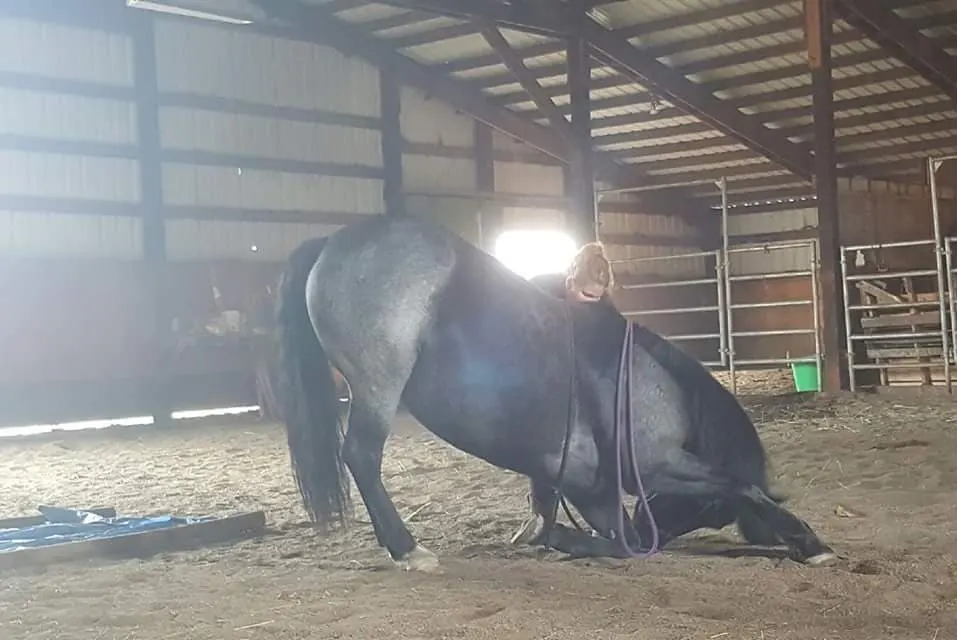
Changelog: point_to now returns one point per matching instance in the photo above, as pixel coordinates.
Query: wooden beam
(819, 29)
(905, 42)
(580, 183)
(317, 24)
(517, 67)
(390, 108)
(149, 145)
(491, 220)
(725, 10)
(513, 16)
(692, 99)
(733, 59)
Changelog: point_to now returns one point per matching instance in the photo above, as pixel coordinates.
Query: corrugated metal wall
(262, 143)
(307, 160)
(40, 169)
(440, 174)
(776, 261)
(653, 226)
(438, 163)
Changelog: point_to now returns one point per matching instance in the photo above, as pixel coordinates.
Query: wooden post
(390, 105)
(580, 176)
(819, 28)
(490, 214)
(154, 230)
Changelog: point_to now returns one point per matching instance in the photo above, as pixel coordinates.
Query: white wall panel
(239, 240)
(430, 121)
(460, 215)
(503, 142)
(204, 130)
(66, 117)
(227, 63)
(438, 173)
(49, 175)
(36, 235)
(528, 179)
(204, 186)
(532, 218)
(57, 51)
(774, 261)
(648, 224)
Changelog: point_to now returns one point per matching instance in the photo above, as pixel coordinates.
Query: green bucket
(805, 377)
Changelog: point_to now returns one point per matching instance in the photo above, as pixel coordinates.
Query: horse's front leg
(541, 503)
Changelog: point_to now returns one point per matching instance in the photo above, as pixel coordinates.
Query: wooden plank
(32, 521)
(881, 295)
(921, 319)
(904, 353)
(142, 545)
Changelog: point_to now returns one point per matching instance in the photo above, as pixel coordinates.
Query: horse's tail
(308, 399)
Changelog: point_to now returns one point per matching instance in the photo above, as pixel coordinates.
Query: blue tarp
(69, 525)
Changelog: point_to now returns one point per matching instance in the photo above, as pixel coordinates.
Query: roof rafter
(512, 16)
(694, 100)
(902, 40)
(319, 25)
(517, 66)
(315, 22)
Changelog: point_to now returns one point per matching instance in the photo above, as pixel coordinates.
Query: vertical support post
(580, 186)
(390, 111)
(724, 277)
(815, 268)
(818, 29)
(932, 166)
(951, 292)
(158, 388)
(490, 214)
(848, 327)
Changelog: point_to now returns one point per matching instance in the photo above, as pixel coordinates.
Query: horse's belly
(491, 408)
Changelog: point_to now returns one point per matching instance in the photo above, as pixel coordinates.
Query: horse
(412, 314)
(711, 406)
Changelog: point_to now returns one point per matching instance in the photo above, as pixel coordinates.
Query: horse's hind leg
(688, 476)
(675, 516)
(787, 527)
(369, 428)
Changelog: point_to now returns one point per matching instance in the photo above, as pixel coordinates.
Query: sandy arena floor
(876, 476)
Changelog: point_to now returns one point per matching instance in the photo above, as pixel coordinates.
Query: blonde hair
(591, 266)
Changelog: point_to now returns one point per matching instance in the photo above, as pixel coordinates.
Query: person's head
(589, 276)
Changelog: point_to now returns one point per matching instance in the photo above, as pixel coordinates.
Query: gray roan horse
(410, 314)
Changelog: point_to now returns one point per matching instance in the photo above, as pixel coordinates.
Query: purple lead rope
(624, 435)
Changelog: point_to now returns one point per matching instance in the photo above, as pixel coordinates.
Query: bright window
(531, 253)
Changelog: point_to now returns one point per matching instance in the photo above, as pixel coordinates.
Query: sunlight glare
(531, 253)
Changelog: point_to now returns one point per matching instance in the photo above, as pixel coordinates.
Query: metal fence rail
(930, 342)
(718, 310)
(722, 280)
(811, 273)
(864, 322)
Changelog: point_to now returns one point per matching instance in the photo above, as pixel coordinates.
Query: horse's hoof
(422, 560)
(530, 531)
(823, 559)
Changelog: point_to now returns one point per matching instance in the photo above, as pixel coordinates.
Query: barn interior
(774, 180)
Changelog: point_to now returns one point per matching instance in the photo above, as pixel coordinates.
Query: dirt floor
(876, 476)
